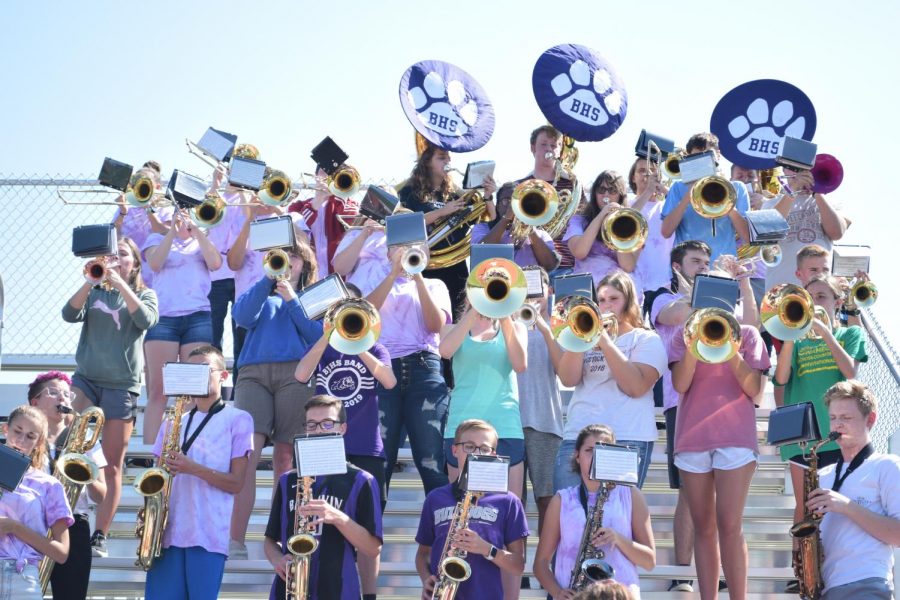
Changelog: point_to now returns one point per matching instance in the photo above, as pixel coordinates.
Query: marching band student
(858, 496)
(181, 260)
(614, 380)
(604, 590)
(625, 535)
(48, 392)
(495, 534)
(430, 190)
(583, 233)
(487, 354)
(652, 268)
(321, 214)
(717, 457)
(413, 311)
(680, 218)
(221, 291)
(351, 379)
(109, 363)
(207, 472)
(37, 505)
(278, 335)
(346, 515)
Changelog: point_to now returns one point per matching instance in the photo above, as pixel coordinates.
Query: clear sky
(84, 80)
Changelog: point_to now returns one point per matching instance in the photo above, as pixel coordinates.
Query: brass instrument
(74, 468)
(276, 188)
(624, 230)
(589, 564)
(569, 200)
(277, 264)
(344, 182)
(822, 315)
(140, 190)
(97, 270)
(770, 255)
(474, 212)
(155, 485)
(210, 212)
(355, 326)
(713, 197)
(712, 335)
(671, 167)
(808, 557)
(862, 295)
(767, 182)
(496, 288)
(415, 260)
(786, 311)
(527, 315)
(302, 545)
(576, 323)
(453, 568)
(535, 203)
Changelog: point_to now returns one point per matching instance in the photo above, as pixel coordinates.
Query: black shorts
(674, 478)
(828, 457)
(374, 465)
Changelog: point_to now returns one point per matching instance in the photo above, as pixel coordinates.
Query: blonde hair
(474, 425)
(621, 281)
(39, 453)
(853, 389)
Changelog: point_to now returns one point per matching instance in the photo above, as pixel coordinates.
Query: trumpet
(210, 212)
(276, 188)
(527, 314)
(496, 288)
(577, 323)
(786, 312)
(822, 315)
(624, 230)
(97, 269)
(344, 182)
(277, 264)
(415, 260)
(713, 197)
(712, 335)
(863, 294)
(355, 326)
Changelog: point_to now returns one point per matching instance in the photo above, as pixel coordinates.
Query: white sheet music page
(320, 455)
(185, 379)
(487, 476)
(848, 260)
(317, 299)
(615, 463)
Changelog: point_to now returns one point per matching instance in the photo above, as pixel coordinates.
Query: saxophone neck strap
(189, 441)
(857, 460)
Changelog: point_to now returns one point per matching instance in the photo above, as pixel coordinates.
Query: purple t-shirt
(667, 333)
(183, 283)
(38, 502)
(403, 330)
(346, 377)
(524, 256)
(372, 264)
(600, 260)
(252, 270)
(497, 518)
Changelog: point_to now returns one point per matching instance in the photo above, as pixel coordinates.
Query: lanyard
(857, 460)
(189, 441)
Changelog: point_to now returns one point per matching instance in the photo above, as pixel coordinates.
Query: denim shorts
(19, 586)
(116, 404)
(514, 448)
(188, 329)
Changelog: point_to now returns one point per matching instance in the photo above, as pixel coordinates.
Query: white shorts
(724, 459)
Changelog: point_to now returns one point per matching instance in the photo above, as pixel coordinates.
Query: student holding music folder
(343, 513)
(37, 503)
(493, 535)
(625, 535)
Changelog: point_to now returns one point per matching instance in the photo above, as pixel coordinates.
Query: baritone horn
(712, 335)
(277, 264)
(496, 288)
(355, 326)
(344, 182)
(863, 294)
(786, 312)
(624, 230)
(577, 323)
(769, 254)
(713, 197)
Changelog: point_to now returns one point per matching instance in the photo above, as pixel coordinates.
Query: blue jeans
(185, 574)
(220, 294)
(418, 404)
(564, 476)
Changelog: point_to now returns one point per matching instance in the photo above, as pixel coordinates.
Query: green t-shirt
(813, 371)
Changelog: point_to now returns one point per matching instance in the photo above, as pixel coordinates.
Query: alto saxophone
(74, 468)
(302, 545)
(453, 568)
(155, 485)
(809, 556)
(589, 564)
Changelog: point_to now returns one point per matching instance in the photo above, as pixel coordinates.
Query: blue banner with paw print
(752, 120)
(447, 106)
(579, 92)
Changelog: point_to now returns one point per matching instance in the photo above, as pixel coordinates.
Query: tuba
(277, 264)
(862, 295)
(453, 568)
(155, 485)
(624, 230)
(355, 326)
(589, 564)
(808, 557)
(210, 212)
(712, 335)
(496, 288)
(456, 252)
(713, 197)
(786, 311)
(344, 182)
(576, 323)
(302, 545)
(74, 468)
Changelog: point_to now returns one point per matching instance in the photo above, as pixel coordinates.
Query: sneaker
(681, 585)
(141, 463)
(722, 585)
(98, 545)
(792, 587)
(237, 550)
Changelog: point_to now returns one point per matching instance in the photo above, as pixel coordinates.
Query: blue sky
(84, 80)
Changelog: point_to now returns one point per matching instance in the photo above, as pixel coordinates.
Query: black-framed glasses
(472, 448)
(324, 425)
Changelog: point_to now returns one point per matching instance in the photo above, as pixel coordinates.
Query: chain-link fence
(881, 373)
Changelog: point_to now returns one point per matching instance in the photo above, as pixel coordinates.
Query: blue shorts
(514, 448)
(185, 574)
(189, 329)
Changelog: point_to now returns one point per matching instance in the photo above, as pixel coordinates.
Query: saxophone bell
(596, 569)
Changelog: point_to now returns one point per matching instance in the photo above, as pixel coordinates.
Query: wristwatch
(492, 553)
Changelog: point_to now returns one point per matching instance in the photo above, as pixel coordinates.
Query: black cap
(328, 155)
(115, 174)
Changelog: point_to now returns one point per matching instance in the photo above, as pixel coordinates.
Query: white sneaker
(237, 550)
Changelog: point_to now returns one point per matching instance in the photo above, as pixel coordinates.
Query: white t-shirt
(653, 266)
(598, 399)
(851, 554)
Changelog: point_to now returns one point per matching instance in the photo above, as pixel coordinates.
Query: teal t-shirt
(486, 387)
(813, 371)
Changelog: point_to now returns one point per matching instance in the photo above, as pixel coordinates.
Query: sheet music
(487, 476)
(185, 379)
(693, 169)
(317, 299)
(320, 455)
(246, 173)
(534, 283)
(272, 233)
(477, 172)
(847, 260)
(615, 463)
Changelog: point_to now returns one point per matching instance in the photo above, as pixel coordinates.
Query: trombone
(277, 264)
(276, 189)
(786, 312)
(712, 335)
(577, 323)
(354, 326)
(496, 288)
(769, 254)
(140, 193)
(713, 197)
(344, 182)
(624, 230)
(210, 212)
(863, 294)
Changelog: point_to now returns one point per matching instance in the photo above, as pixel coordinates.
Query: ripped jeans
(417, 406)
(19, 586)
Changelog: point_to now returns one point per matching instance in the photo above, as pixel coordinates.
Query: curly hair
(420, 178)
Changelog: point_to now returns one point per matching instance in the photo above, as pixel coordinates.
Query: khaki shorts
(540, 457)
(274, 399)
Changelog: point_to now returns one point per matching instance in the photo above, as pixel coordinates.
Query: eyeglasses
(472, 448)
(324, 425)
(57, 394)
